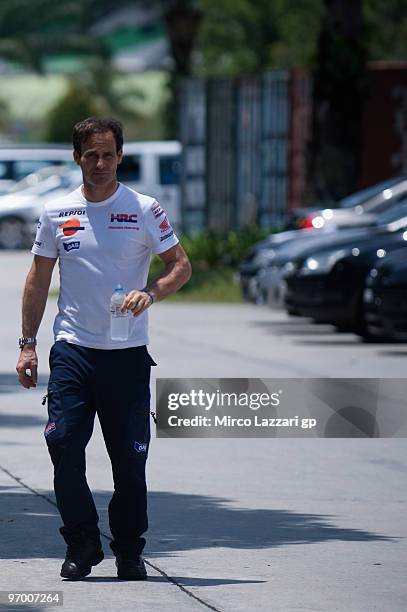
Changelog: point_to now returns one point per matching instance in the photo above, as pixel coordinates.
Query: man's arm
(176, 273)
(34, 301)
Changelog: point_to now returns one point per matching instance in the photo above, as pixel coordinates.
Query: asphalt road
(235, 524)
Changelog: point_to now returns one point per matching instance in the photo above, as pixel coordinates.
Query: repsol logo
(69, 213)
(123, 218)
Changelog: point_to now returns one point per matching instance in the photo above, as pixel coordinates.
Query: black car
(327, 284)
(385, 298)
(271, 279)
(262, 254)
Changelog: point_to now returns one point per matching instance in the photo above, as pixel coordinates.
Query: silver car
(270, 280)
(21, 208)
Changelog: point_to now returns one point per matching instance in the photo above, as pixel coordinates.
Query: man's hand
(137, 302)
(28, 361)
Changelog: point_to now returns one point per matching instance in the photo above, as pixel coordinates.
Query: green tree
(237, 36)
(242, 36)
(30, 30)
(77, 104)
(386, 25)
(100, 78)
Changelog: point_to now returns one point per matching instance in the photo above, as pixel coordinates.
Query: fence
(244, 149)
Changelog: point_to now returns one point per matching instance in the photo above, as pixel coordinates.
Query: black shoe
(131, 569)
(82, 553)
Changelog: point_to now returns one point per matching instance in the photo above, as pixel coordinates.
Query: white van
(153, 168)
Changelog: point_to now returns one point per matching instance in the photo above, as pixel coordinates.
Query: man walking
(103, 234)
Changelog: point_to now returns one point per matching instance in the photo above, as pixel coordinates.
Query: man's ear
(120, 156)
(76, 157)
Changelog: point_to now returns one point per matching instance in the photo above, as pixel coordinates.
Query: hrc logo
(123, 218)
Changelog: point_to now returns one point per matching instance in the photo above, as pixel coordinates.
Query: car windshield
(362, 196)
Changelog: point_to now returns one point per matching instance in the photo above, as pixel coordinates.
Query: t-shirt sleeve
(159, 234)
(44, 243)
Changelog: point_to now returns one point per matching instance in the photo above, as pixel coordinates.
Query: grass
(212, 285)
(207, 284)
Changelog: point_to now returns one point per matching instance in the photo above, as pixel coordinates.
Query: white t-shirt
(101, 245)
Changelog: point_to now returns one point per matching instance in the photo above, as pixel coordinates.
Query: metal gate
(248, 136)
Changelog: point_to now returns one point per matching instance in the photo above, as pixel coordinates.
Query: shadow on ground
(302, 327)
(21, 420)
(178, 522)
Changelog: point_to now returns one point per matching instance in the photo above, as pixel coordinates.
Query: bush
(214, 257)
(212, 249)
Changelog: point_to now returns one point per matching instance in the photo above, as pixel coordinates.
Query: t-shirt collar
(106, 202)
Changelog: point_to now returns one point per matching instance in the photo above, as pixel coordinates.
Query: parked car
(270, 280)
(17, 161)
(327, 283)
(21, 208)
(385, 298)
(263, 253)
(316, 216)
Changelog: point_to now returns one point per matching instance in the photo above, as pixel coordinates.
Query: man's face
(99, 159)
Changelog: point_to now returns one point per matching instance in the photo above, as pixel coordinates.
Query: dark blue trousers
(115, 385)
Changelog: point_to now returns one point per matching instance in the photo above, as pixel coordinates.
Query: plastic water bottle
(119, 321)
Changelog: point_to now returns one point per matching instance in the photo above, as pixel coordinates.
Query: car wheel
(13, 233)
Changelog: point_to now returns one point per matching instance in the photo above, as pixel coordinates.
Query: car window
(361, 196)
(28, 166)
(398, 211)
(130, 169)
(169, 166)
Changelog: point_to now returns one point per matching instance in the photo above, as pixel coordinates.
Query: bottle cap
(119, 288)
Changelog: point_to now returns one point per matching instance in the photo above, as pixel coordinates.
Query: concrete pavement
(275, 524)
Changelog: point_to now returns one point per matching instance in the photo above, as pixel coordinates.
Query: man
(103, 234)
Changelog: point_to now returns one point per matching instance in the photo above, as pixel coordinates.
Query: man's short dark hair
(94, 125)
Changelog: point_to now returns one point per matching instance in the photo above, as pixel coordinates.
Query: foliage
(233, 36)
(31, 29)
(241, 36)
(387, 26)
(74, 106)
(214, 259)
(91, 93)
(211, 250)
